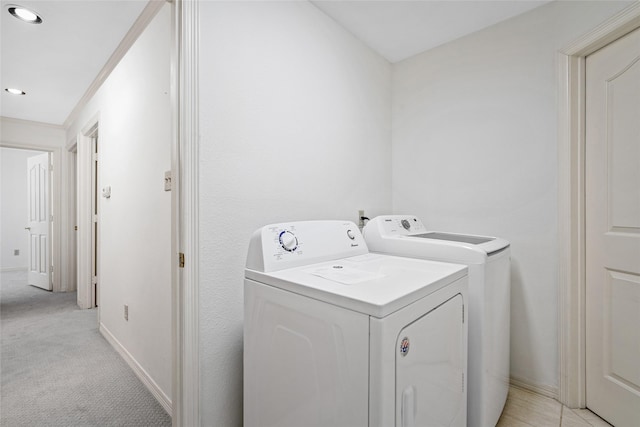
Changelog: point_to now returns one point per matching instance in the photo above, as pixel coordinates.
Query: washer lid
(372, 284)
(406, 235)
(462, 238)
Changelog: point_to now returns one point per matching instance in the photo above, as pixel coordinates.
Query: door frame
(185, 220)
(55, 209)
(571, 202)
(84, 216)
(72, 212)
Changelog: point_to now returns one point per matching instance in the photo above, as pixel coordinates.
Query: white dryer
(489, 260)
(337, 336)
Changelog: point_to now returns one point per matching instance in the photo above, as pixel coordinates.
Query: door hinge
(181, 260)
(52, 268)
(167, 181)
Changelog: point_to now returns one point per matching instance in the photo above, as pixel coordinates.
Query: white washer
(336, 336)
(489, 260)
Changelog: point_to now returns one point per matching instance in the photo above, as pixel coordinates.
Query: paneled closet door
(39, 221)
(613, 231)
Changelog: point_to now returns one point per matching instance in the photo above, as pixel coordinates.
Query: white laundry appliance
(337, 336)
(489, 260)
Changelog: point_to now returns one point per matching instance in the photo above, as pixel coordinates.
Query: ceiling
(56, 62)
(399, 29)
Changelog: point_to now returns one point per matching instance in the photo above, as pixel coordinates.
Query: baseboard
(151, 385)
(13, 269)
(544, 390)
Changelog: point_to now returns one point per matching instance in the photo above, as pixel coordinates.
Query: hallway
(56, 368)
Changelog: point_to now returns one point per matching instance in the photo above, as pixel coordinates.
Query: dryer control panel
(287, 245)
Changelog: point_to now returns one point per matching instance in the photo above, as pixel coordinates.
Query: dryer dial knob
(288, 241)
(405, 224)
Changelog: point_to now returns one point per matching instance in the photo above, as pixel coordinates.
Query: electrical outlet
(360, 220)
(16, 252)
(126, 312)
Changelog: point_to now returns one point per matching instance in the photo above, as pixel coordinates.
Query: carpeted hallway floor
(56, 369)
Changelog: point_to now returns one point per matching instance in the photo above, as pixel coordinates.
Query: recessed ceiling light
(24, 14)
(15, 91)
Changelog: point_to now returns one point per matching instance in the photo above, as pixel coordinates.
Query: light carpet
(56, 369)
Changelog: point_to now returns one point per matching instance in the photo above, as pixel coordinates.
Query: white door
(39, 221)
(613, 231)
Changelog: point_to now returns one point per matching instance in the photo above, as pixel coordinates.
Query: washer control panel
(287, 245)
(403, 225)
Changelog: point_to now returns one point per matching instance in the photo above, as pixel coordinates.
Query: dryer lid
(373, 284)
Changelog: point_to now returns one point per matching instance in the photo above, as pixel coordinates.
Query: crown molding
(612, 29)
(147, 15)
(23, 122)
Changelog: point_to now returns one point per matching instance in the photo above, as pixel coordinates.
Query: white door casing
(94, 220)
(85, 215)
(185, 324)
(39, 220)
(571, 200)
(612, 202)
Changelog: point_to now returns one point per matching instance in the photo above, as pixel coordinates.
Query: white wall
(475, 150)
(42, 136)
(13, 208)
(134, 151)
(295, 125)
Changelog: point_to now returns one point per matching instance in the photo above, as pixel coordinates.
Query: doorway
(27, 214)
(39, 220)
(574, 216)
(612, 219)
(87, 217)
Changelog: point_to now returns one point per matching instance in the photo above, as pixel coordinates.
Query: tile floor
(525, 409)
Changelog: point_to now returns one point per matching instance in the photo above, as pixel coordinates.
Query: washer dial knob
(288, 241)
